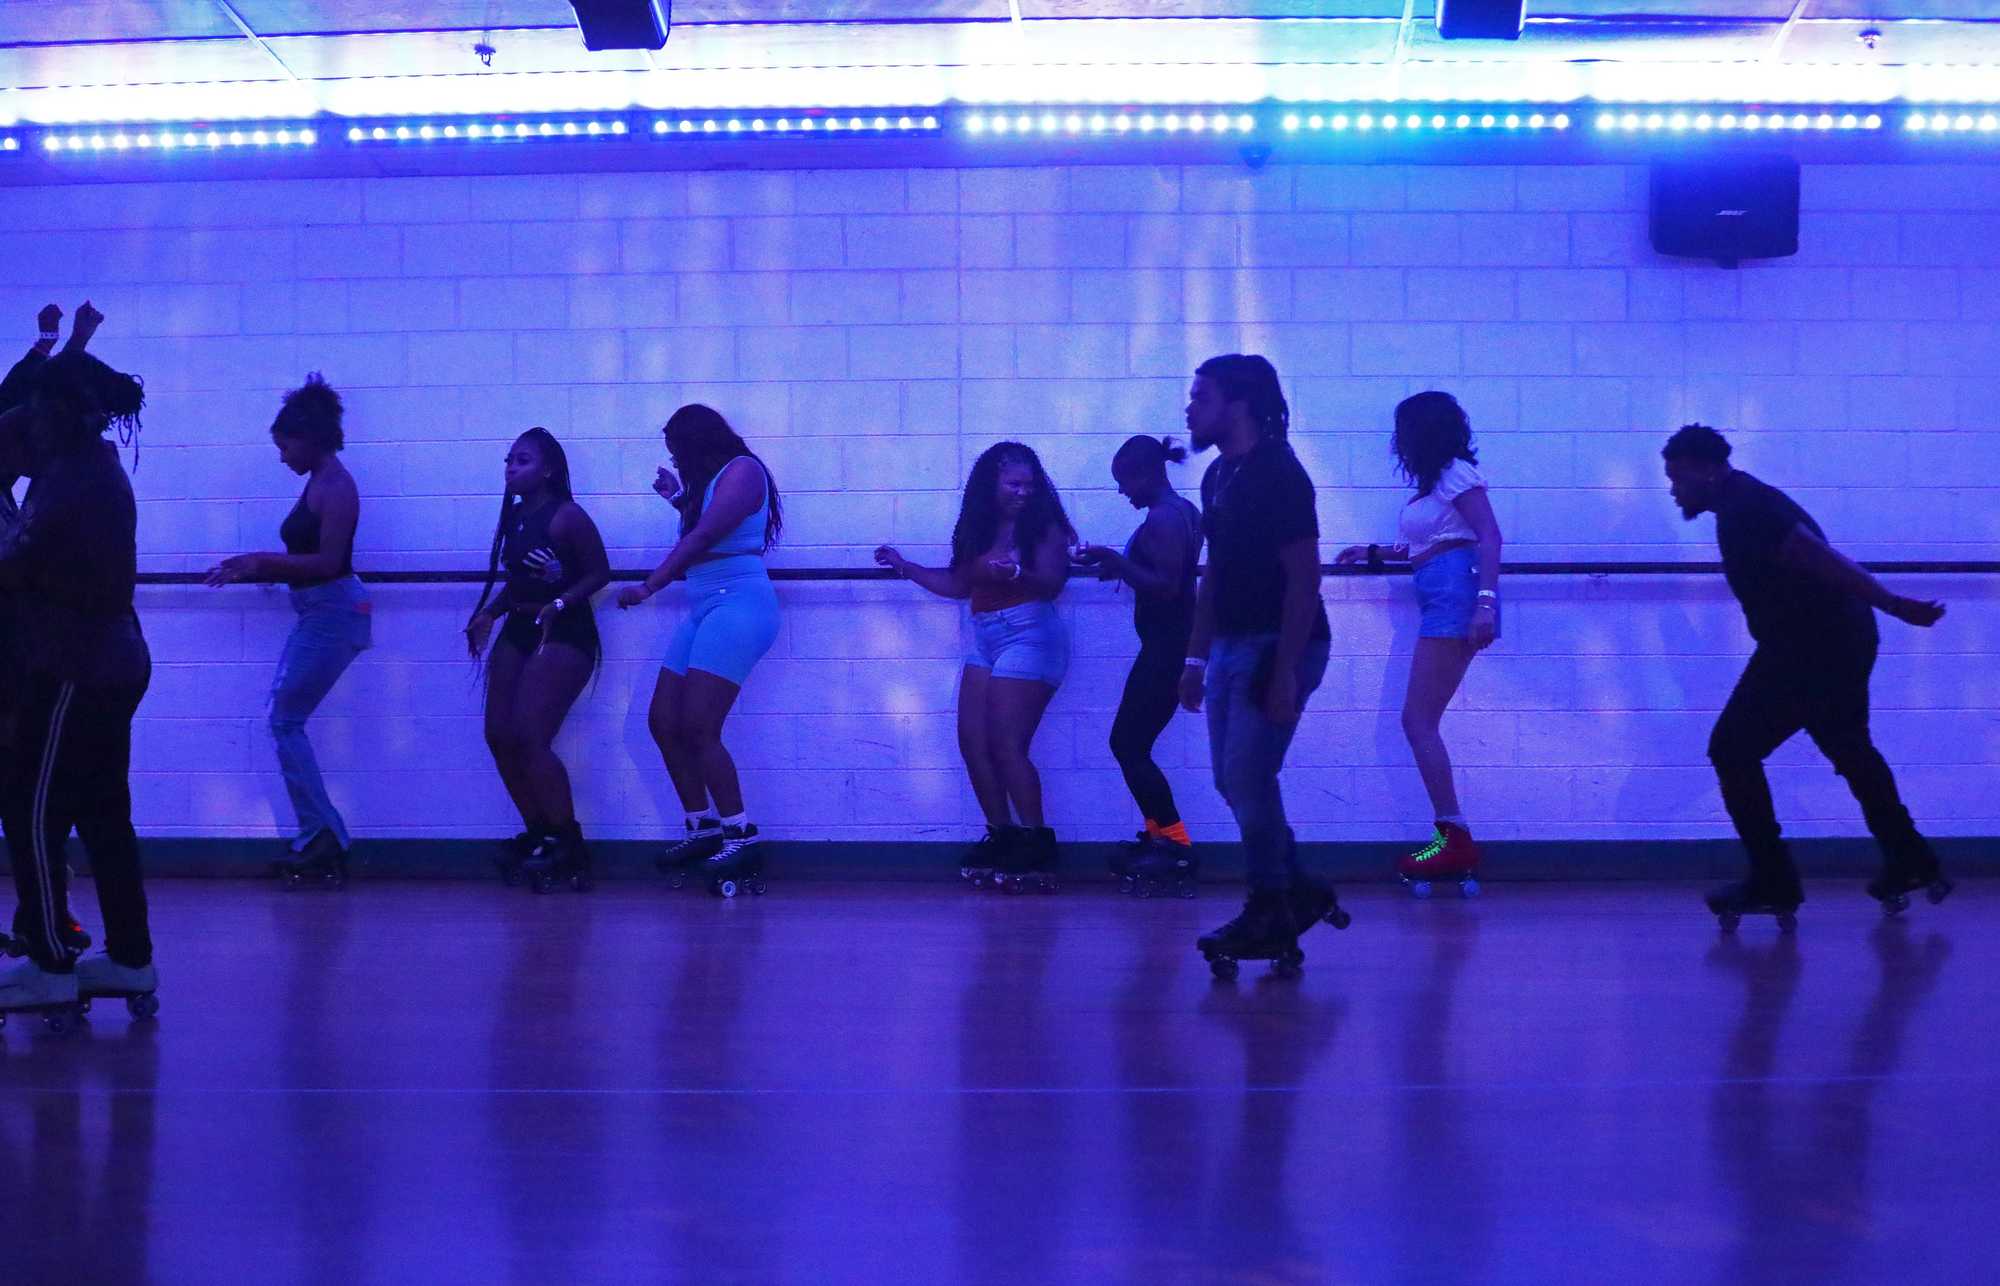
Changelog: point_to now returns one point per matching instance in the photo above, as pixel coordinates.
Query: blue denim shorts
(1447, 593)
(1028, 641)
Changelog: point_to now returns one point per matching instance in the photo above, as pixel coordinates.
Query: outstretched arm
(1809, 554)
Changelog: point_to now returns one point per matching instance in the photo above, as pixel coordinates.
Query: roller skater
(738, 865)
(1812, 614)
(1010, 558)
(546, 650)
(730, 516)
(334, 620)
(1159, 563)
(1260, 640)
(1451, 540)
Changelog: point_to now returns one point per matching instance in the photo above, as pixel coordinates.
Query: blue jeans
(333, 628)
(1248, 749)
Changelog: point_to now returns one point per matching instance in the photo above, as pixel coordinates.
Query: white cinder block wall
(871, 331)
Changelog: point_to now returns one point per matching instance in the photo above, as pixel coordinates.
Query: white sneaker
(100, 975)
(26, 985)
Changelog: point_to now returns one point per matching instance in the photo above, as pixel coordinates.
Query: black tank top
(1170, 619)
(300, 532)
(528, 533)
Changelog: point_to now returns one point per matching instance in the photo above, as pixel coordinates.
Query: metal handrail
(470, 577)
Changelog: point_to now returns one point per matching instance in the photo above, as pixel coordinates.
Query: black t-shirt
(1787, 609)
(1251, 507)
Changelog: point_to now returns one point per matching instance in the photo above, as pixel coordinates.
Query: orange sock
(1152, 829)
(1175, 834)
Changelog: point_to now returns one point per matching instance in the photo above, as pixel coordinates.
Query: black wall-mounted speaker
(1481, 19)
(1728, 211)
(623, 24)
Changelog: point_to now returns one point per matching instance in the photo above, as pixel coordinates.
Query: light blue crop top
(747, 537)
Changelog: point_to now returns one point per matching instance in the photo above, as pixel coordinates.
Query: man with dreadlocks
(1259, 646)
(72, 570)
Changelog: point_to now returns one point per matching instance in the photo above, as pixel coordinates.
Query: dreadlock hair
(1432, 430)
(311, 412)
(83, 398)
(1251, 379)
(979, 510)
(704, 442)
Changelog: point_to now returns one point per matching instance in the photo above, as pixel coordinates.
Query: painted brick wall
(871, 331)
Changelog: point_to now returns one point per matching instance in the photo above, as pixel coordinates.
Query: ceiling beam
(1785, 29)
(255, 39)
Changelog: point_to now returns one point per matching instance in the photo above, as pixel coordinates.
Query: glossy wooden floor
(462, 1083)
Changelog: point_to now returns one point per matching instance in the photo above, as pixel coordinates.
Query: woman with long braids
(730, 515)
(1159, 564)
(1452, 543)
(73, 568)
(547, 650)
(1010, 558)
(333, 624)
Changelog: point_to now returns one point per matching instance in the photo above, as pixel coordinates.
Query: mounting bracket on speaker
(1481, 19)
(624, 24)
(1728, 211)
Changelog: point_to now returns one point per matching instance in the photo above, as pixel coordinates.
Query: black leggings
(1827, 698)
(70, 773)
(1152, 694)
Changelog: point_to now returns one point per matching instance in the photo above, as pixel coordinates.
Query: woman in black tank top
(333, 624)
(546, 652)
(1159, 564)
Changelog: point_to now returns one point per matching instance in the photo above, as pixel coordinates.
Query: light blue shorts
(1447, 593)
(731, 621)
(1028, 641)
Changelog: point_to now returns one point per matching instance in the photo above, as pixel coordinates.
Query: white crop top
(1433, 520)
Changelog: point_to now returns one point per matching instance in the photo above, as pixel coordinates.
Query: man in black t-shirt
(1812, 614)
(1259, 645)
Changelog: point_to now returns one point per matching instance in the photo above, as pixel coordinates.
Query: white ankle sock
(737, 821)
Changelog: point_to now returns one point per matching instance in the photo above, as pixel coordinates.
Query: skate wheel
(1787, 922)
(1013, 886)
(1420, 889)
(143, 1006)
(727, 888)
(3, 1022)
(1223, 967)
(1187, 888)
(678, 880)
(545, 884)
(581, 883)
(1338, 918)
(1289, 966)
(1895, 905)
(83, 1006)
(1938, 891)
(1468, 887)
(1728, 920)
(758, 886)
(1047, 885)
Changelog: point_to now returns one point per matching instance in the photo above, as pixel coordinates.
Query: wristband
(1197, 663)
(1017, 572)
(558, 604)
(1489, 595)
(1374, 555)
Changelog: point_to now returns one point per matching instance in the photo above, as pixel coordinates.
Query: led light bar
(816, 124)
(1434, 120)
(9, 143)
(1749, 121)
(1954, 121)
(495, 130)
(177, 138)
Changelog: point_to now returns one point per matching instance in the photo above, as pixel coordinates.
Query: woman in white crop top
(1452, 543)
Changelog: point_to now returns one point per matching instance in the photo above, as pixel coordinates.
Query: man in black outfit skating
(1812, 613)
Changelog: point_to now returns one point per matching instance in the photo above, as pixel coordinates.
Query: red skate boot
(1451, 855)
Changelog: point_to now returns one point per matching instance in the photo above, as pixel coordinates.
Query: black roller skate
(1266, 930)
(321, 864)
(560, 859)
(1031, 863)
(699, 844)
(1314, 900)
(988, 854)
(1169, 868)
(738, 866)
(1127, 855)
(514, 855)
(1732, 902)
(1894, 885)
